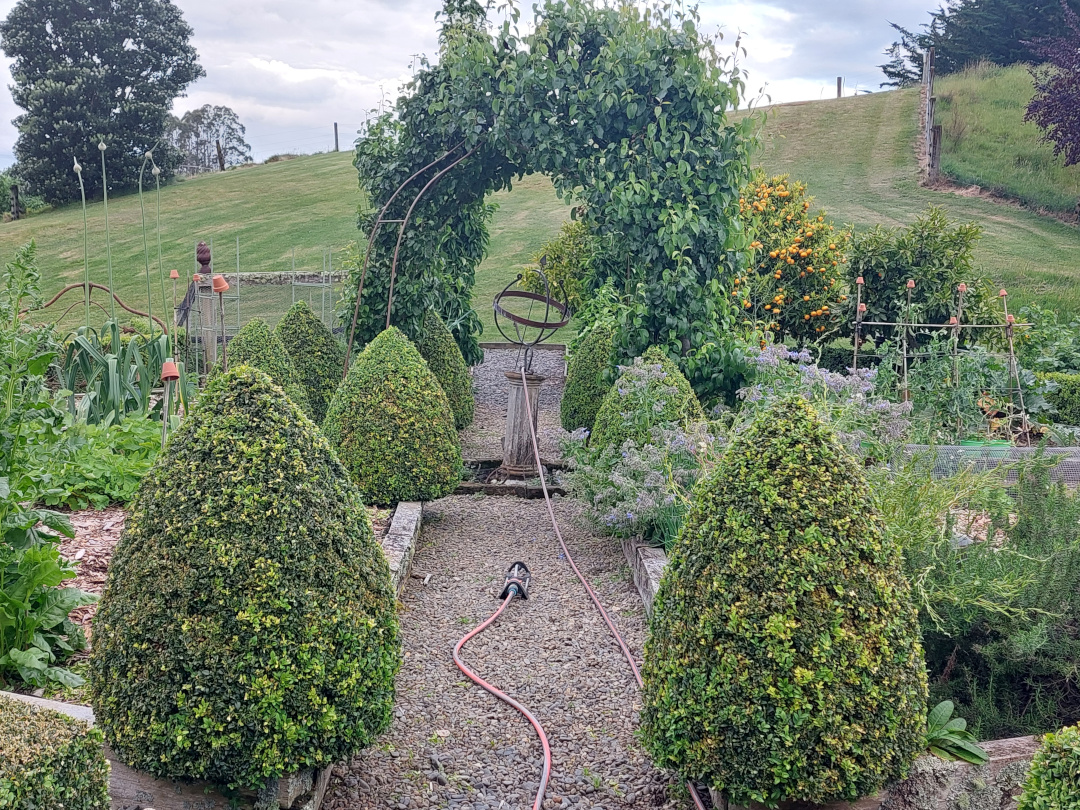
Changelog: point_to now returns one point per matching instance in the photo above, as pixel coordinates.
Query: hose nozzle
(518, 580)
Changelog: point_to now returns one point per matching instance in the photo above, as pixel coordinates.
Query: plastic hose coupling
(518, 580)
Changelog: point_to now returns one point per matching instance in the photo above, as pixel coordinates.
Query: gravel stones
(453, 745)
(483, 439)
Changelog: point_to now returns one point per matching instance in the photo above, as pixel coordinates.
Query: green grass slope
(987, 143)
(858, 157)
(307, 203)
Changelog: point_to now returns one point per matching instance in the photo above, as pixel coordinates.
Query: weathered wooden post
(207, 330)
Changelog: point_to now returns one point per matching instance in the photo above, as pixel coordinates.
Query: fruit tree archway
(627, 110)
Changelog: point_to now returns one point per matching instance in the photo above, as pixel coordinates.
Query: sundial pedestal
(519, 459)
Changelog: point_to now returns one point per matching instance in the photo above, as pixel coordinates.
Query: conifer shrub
(438, 347)
(256, 346)
(49, 760)
(1053, 781)
(783, 660)
(391, 425)
(248, 626)
(586, 385)
(668, 396)
(317, 356)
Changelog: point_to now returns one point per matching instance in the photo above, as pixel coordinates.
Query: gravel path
(451, 744)
(483, 438)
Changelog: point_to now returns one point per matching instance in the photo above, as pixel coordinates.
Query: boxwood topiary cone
(783, 660)
(316, 354)
(438, 347)
(256, 346)
(247, 629)
(666, 384)
(585, 383)
(390, 422)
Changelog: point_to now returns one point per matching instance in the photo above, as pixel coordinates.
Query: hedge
(256, 346)
(317, 356)
(248, 628)
(1053, 781)
(49, 760)
(391, 425)
(783, 660)
(586, 385)
(438, 347)
(1066, 399)
(666, 385)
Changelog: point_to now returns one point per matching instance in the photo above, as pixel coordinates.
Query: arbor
(197, 133)
(1055, 108)
(626, 109)
(86, 72)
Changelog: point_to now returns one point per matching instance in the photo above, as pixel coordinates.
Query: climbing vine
(626, 109)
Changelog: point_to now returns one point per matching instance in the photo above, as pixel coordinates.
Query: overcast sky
(291, 69)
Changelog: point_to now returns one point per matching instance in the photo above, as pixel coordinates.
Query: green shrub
(256, 346)
(585, 381)
(639, 401)
(438, 347)
(247, 629)
(568, 265)
(391, 424)
(1053, 782)
(783, 658)
(1066, 399)
(317, 356)
(48, 760)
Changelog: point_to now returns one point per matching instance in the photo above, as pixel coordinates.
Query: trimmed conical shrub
(783, 660)
(256, 346)
(585, 383)
(650, 392)
(248, 625)
(1053, 781)
(391, 424)
(317, 356)
(438, 347)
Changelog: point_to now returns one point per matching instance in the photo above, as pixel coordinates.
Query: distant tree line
(209, 138)
(963, 32)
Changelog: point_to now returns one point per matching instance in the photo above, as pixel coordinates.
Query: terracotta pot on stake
(221, 286)
(169, 375)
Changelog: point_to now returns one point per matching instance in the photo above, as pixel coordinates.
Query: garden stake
(860, 308)
(174, 275)
(156, 172)
(108, 247)
(956, 332)
(1013, 368)
(145, 249)
(220, 286)
(907, 393)
(86, 247)
(169, 375)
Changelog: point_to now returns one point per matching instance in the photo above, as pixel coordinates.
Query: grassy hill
(987, 143)
(858, 157)
(307, 205)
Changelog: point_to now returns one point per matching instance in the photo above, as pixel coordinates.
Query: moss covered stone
(391, 424)
(783, 659)
(317, 356)
(586, 385)
(438, 347)
(627, 410)
(1053, 781)
(49, 760)
(256, 346)
(247, 629)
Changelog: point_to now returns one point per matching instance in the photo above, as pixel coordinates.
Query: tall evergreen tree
(963, 32)
(87, 72)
